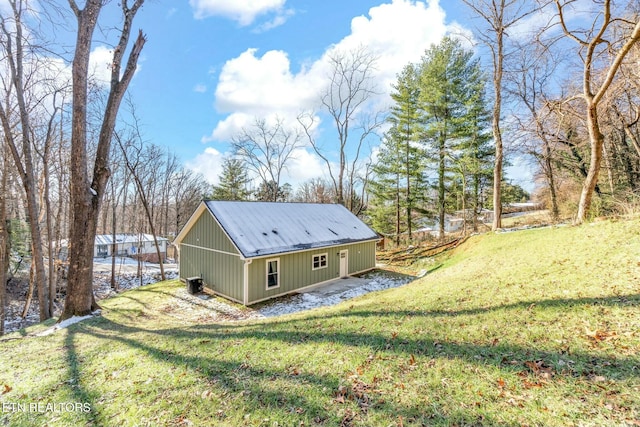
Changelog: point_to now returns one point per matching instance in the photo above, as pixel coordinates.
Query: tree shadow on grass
(80, 395)
(194, 347)
(305, 396)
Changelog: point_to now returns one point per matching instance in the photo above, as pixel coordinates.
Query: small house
(130, 245)
(254, 251)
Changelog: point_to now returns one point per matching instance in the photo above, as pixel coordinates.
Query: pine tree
(451, 95)
(386, 188)
(233, 181)
(399, 170)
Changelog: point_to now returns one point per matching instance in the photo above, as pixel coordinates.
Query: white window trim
(277, 260)
(326, 261)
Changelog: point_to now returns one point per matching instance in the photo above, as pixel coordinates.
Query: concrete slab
(337, 286)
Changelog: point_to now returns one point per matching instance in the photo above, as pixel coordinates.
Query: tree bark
(597, 141)
(4, 239)
(24, 159)
(86, 196)
(497, 133)
(593, 96)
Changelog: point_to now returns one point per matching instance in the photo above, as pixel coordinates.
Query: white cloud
(262, 84)
(302, 167)
(277, 21)
(100, 65)
(100, 60)
(250, 84)
(208, 163)
(243, 11)
(398, 32)
(200, 88)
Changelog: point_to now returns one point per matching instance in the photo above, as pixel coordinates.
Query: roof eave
(277, 252)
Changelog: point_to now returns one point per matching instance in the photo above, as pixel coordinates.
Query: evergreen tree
(233, 181)
(476, 149)
(399, 169)
(386, 187)
(452, 97)
(271, 192)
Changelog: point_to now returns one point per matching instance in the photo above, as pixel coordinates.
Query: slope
(539, 327)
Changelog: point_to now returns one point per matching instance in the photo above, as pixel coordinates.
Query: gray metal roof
(265, 228)
(107, 239)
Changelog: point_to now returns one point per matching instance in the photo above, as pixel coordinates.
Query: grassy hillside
(539, 327)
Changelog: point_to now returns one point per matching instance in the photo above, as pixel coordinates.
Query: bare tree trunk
(441, 188)
(498, 59)
(29, 298)
(593, 91)
(4, 238)
(24, 159)
(500, 15)
(145, 203)
(114, 245)
(597, 141)
(86, 196)
(555, 211)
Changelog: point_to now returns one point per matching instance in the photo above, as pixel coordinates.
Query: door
(344, 263)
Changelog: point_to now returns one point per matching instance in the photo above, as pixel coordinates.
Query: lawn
(531, 328)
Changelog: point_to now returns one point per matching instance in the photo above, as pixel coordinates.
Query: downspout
(245, 296)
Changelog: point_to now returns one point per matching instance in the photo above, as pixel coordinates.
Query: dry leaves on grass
(540, 369)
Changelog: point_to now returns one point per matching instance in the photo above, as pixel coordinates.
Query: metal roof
(107, 239)
(267, 228)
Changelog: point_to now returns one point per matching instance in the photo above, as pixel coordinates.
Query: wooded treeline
(76, 163)
(58, 121)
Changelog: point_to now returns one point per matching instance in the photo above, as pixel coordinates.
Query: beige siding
(296, 269)
(208, 253)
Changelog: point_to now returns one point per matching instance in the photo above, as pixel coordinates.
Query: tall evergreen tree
(476, 150)
(449, 79)
(233, 181)
(386, 187)
(399, 169)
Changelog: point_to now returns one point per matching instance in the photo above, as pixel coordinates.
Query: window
(102, 250)
(273, 273)
(319, 261)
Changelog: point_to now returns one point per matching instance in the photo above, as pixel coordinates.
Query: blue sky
(210, 66)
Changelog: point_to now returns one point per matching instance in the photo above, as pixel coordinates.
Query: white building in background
(127, 245)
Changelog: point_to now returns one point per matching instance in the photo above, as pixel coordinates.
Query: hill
(531, 328)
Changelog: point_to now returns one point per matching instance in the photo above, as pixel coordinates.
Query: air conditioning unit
(194, 285)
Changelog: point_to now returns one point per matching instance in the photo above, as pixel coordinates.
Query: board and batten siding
(207, 252)
(296, 269)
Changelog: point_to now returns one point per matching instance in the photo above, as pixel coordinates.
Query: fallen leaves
(359, 392)
(540, 369)
(6, 389)
(598, 336)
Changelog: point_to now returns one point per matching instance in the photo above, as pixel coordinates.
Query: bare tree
(315, 190)
(4, 237)
(266, 148)
(16, 118)
(87, 189)
(351, 87)
(604, 40)
(141, 161)
(531, 81)
(499, 16)
(188, 189)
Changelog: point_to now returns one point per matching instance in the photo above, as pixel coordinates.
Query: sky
(210, 67)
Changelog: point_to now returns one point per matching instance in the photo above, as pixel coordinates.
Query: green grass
(531, 328)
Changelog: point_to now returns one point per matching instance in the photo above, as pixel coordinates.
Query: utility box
(194, 285)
